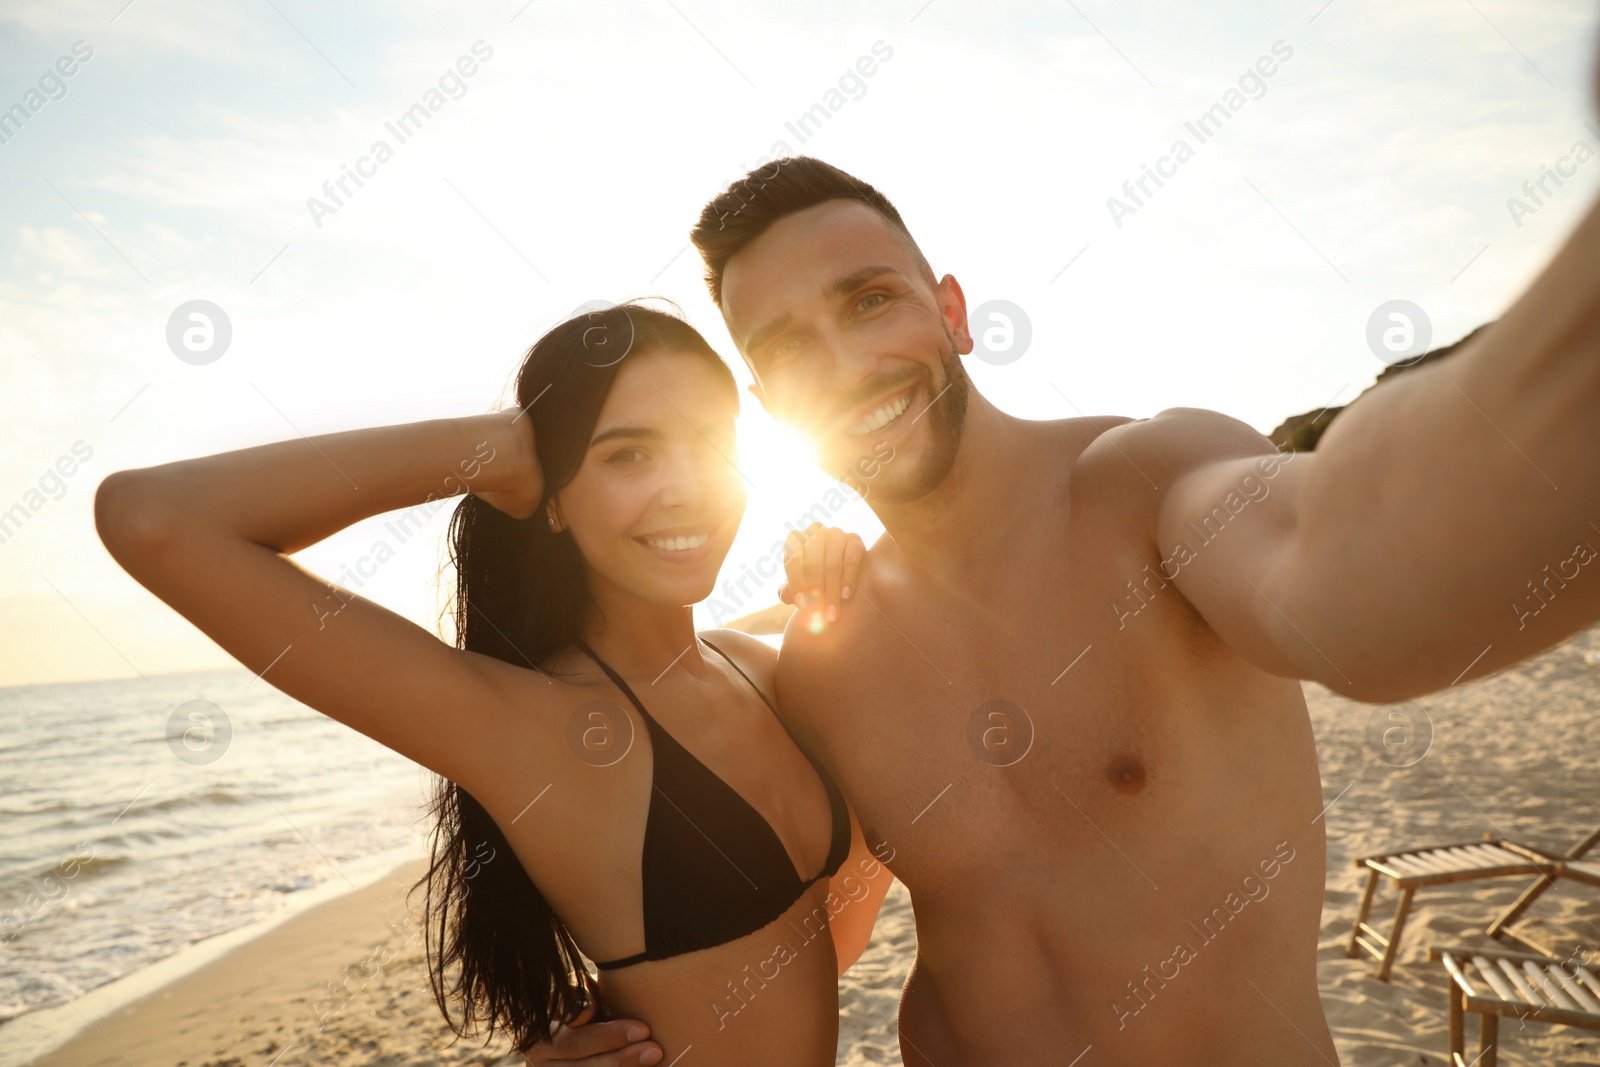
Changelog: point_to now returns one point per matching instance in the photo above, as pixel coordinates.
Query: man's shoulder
(818, 660)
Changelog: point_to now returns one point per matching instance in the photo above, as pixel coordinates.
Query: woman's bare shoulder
(752, 655)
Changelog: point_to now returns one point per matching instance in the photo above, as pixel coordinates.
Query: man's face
(853, 345)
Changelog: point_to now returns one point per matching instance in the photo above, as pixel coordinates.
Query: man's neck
(957, 522)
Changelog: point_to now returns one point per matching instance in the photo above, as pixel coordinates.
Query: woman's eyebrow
(625, 431)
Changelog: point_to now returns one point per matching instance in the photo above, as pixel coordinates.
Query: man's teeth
(677, 544)
(882, 417)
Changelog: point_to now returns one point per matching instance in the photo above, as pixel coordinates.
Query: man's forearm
(1455, 512)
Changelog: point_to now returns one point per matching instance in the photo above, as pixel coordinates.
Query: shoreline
(293, 952)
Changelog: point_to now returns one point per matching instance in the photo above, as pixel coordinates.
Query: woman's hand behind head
(511, 479)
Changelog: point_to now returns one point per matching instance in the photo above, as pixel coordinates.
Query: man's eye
(870, 301)
(786, 347)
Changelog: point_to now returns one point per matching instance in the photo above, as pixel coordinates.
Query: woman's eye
(628, 455)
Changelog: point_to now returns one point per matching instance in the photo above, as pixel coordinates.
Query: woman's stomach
(771, 997)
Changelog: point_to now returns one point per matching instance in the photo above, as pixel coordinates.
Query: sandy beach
(1518, 753)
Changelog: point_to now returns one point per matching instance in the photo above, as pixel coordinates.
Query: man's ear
(953, 306)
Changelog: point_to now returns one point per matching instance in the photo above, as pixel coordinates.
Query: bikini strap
(745, 676)
(615, 678)
(840, 846)
(622, 685)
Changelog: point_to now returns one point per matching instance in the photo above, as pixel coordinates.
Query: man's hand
(821, 567)
(618, 1043)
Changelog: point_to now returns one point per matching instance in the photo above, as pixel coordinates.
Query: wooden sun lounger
(1572, 866)
(1587, 873)
(1493, 983)
(1419, 868)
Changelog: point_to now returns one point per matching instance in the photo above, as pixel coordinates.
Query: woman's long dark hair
(493, 943)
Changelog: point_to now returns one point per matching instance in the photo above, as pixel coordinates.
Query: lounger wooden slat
(1411, 865)
(1506, 857)
(1468, 864)
(1581, 996)
(1484, 856)
(1548, 987)
(1493, 983)
(1463, 861)
(1458, 857)
(1432, 862)
(1525, 992)
(1468, 858)
(1398, 866)
(1587, 873)
(1494, 979)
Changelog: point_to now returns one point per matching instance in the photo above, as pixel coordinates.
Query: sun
(787, 490)
(771, 451)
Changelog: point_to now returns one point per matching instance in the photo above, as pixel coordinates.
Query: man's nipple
(1126, 773)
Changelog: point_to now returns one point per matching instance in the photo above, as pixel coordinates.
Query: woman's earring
(551, 519)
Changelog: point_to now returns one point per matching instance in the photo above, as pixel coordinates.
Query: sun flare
(787, 491)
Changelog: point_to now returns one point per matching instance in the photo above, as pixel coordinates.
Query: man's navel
(1126, 773)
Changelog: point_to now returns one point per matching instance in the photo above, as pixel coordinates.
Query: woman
(661, 819)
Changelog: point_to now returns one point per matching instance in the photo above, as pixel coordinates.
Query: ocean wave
(217, 795)
(55, 807)
(177, 855)
(64, 871)
(97, 863)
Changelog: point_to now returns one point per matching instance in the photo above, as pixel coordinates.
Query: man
(1067, 708)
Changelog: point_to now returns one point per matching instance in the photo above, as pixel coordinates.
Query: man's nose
(843, 365)
(849, 360)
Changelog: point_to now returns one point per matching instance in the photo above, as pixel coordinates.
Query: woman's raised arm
(211, 537)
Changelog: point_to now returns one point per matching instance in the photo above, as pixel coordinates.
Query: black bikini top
(713, 869)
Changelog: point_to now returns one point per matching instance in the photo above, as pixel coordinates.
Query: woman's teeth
(677, 544)
(882, 417)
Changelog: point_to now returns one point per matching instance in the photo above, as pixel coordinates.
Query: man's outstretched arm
(1447, 525)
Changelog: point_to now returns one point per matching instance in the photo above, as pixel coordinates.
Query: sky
(567, 148)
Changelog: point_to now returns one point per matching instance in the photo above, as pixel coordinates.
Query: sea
(148, 824)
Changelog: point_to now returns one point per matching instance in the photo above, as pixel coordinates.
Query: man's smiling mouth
(883, 416)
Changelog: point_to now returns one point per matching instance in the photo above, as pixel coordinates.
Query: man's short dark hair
(742, 212)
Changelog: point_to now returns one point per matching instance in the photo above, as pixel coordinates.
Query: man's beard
(903, 478)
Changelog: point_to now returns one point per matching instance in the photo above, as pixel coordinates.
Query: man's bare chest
(962, 724)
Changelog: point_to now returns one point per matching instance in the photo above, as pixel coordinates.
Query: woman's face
(657, 501)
